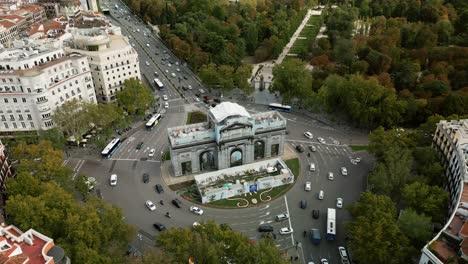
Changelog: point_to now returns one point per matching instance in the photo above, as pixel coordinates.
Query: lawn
(359, 147)
(308, 32)
(195, 117)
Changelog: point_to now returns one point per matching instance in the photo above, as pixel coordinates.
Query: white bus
(331, 224)
(158, 83)
(279, 107)
(111, 148)
(153, 121)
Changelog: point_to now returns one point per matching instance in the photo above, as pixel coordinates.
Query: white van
(312, 167)
(113, 180)
(321, 195)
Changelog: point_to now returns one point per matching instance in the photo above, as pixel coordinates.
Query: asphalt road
(129, 164)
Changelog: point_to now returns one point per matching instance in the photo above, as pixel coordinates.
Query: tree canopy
(135, 97)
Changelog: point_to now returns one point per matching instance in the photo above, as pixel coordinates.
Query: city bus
(153, 121)
(158, 83)
(331, 224)
(279, 107)
(111, 148)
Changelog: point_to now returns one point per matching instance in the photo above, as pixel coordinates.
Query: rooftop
(226, 109)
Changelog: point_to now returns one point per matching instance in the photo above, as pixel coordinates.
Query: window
(20, 117)
(14, 100)
(3, 118)
(23, 124)
(6, 125)
(14, 125)
(12, 118)
(31, 124)
(29, 117)
(6, 100)
(24, 100)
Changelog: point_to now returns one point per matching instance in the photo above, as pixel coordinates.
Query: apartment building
(34, 81)
(111, 58)
(8, 32)
(451, 243)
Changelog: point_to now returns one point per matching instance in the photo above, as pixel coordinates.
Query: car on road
(140, 145)
(339, 203)
(185, 77)
(177, 203)
(308, 135)
(197, 99)
(156, 73)
(308, 186)
(113, 180)
(282, 217)
(312, 148)
(330, 176)
(201, 91)
(151, 153)
(195, 224)
(150, 205)
(159, 188)
(196, 210)
(312, 167)
(300, 148)
(189, 87)
(165, 97)
(323, 261)
(147, 63)
(344, 171)
(169, 64)
(343, 255)
(145, 177)
(286, 231)
(147, 44)
(133, 44)
(321, 140)
(137, 28)
(160, 227)
(265, 228)
(166, 105)
(321, 195)
(178, 69)
(316, 214)
(303, 204)
(358, 159)
(173, 75)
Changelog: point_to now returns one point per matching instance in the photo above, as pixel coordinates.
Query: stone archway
(207, 160)
(259, 149)
(236, 157)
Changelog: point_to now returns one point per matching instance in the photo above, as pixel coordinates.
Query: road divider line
(289, 219)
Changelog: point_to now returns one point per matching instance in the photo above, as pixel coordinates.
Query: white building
(111, 57)
(451, 243)
(34, 80)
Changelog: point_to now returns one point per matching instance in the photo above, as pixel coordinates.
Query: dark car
(303, 204)
(177, 203)
(312, 148)
(145, 177)
(140, 145)
(159, 226)
(159, 188)
(185, 77)
(300, 148)
(265, 228)
(217, 100)
(315, 214)
(197, 95)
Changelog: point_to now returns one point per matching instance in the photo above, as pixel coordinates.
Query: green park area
(308, 34)
(196, 117)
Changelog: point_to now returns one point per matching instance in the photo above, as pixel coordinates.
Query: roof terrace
(186, 134)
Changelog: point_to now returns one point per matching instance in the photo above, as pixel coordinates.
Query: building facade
(451, 243)
(34, 81)
(8, 32)
(230, 137)
(5, 167)
(111, 57)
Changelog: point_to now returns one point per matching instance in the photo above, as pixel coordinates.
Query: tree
(241, 78)
(135, 98)
(417, 227)
(455, 103)
(210, 243)
(292, 80)
(374, 234)
(72, 119)
(428, 166)
(209, 74)
(382, 140)
(344, 52)
(426, 199)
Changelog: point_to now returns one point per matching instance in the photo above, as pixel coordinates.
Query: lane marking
(289, 219)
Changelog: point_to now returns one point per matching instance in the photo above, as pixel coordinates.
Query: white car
(339, 202)
(321, 140)
(113, 180)
(173, 75)
(189, 87)
(133, 45)
(150, 205)
(138, 29)
(197, 99)
(165, 97)
(330, 176)
(177, 63)
(196, 210)
(166, 105)
(308, 135)
(169, 64)
(201, 91)
(344, 171)
(167, 71)
(147, 45)
(308, 186)
(323, 261)
(286, 231)
(178, 69)
(147, 63)
(312, 167)
(151, 153)
(195, 224)
(343, 254)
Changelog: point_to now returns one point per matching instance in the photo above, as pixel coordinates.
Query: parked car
(159, 188)
(160, 227)
(177, 203)
(282, 217)
(265, 228)
(150, 205)
(286, 231)
(145, 177)
(316, 214)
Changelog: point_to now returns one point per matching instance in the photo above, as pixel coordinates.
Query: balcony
(42, 101)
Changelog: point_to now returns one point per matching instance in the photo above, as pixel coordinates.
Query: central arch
(236, 157)
(207, 160)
